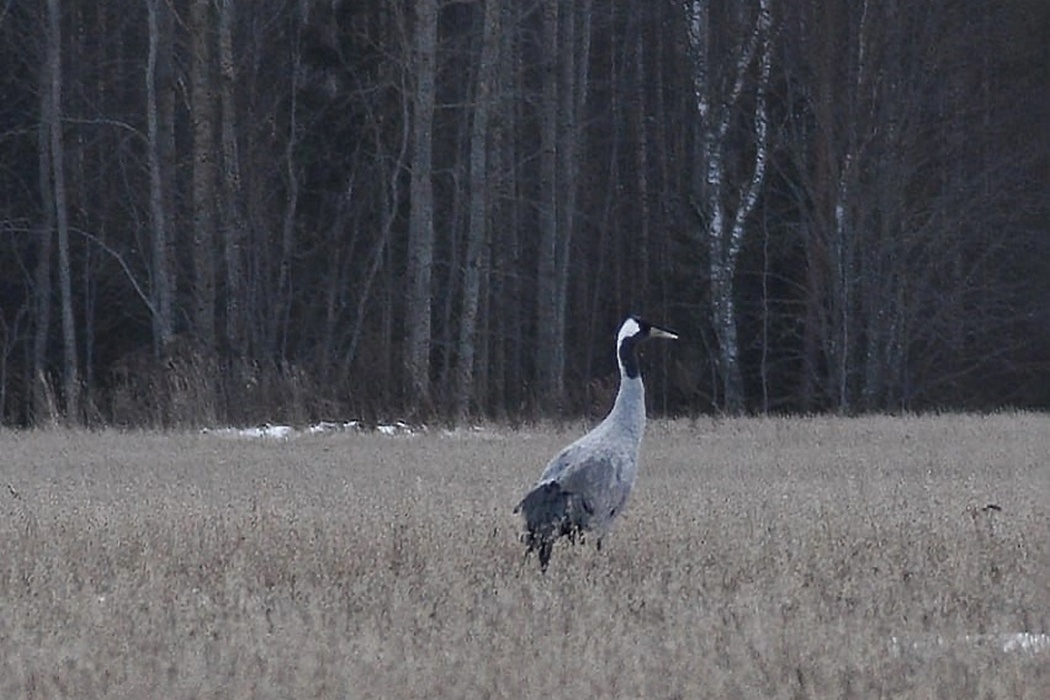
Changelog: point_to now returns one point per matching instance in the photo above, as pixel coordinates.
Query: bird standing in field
(586, 485)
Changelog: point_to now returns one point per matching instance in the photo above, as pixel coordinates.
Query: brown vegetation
(773, 558)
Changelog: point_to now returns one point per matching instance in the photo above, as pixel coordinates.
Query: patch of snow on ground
(1026, 642)
(284, 432)
(331, 427)
(398, 428)
(274, 432)
(474, 432)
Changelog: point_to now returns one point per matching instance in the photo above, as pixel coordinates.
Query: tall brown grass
(773, 558)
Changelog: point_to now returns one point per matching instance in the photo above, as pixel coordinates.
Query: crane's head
(633, 332)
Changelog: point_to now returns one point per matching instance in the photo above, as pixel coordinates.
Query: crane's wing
(561, 462)
(580, 490)
(601, 486)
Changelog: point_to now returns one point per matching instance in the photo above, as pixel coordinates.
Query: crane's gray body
(601, 467)
(586, 486)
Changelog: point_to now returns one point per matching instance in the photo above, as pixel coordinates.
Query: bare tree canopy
(293, 211)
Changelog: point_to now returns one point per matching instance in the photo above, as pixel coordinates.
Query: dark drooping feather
(551, 512)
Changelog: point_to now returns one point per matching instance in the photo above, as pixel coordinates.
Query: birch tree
(723, 206)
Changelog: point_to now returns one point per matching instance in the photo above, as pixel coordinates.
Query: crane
(586, 485)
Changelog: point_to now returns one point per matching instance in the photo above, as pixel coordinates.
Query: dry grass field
(760, 558)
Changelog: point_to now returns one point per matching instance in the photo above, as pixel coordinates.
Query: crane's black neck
(628, 357)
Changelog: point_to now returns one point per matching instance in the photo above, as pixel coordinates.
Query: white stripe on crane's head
(629, 328)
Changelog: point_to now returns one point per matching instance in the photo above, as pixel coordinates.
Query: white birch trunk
(724, 226)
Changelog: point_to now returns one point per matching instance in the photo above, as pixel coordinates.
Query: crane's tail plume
(548, 512)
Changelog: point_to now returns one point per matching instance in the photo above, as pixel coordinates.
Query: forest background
(225, 212)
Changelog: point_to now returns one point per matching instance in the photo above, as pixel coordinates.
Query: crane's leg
(546, 547)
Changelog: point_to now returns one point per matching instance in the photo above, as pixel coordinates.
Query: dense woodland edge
(215, 212)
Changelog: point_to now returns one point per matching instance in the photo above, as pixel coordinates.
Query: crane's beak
(657, 332)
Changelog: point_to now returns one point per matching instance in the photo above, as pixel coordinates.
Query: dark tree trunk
(70, 379)
(421, 215)
(159, 103)
(204, 178)
(43, 408)
(477, 231)
(550, 337)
